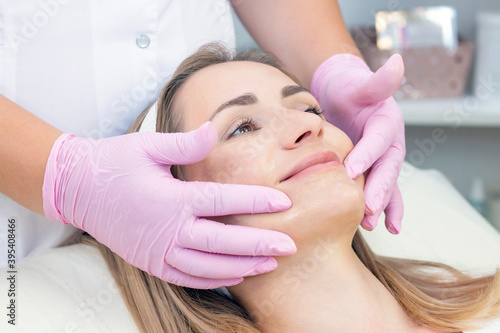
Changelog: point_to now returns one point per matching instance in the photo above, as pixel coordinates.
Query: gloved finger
(369, 222)
(182, 279)
(214, 199)
(379, 134)
(214, 237)
(383, 83)
(180, 148)
(218, 266)
(382, 180)
(394, 212)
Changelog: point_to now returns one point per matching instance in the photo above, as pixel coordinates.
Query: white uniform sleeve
(90, 67)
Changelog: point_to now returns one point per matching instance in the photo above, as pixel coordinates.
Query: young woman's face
(271, 133)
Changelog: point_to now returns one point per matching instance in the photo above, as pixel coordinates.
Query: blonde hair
(434, 295)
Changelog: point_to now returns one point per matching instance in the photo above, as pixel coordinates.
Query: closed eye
(316, 110)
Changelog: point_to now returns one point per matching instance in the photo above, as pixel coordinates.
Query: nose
(302, 128)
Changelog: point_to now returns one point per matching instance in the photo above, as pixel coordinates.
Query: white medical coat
(89, 68)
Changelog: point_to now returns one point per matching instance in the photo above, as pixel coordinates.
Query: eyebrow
(246, 99)
(249, 99)
(292, 90)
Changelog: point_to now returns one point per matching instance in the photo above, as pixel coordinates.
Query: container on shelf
(432, 72)
(487, 66)
(493, 200)
(477, 196)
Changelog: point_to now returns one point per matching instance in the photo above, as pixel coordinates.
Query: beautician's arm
(302, 33)
(311, 39)
(24, 149)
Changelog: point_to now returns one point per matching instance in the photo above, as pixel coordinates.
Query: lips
(313, 162)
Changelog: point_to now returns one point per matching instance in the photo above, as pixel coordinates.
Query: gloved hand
(120, 190)
(359, 102)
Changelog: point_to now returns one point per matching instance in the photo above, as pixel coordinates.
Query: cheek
(225, 166)
(338, 141)
(360, 180)
(343, 146)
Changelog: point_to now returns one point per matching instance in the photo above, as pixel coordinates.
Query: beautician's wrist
(67, 151)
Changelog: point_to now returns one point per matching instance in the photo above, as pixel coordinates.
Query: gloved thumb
(181, 148)
(384, 82)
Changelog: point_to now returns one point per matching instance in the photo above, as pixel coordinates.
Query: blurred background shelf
(467, 111)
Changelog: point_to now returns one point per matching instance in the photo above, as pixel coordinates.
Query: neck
(324, 287)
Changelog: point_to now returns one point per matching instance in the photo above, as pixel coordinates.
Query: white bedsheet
(69, 289)
(439, 225)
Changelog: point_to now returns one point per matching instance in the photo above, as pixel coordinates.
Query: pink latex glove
(359, 102)
(120, 190)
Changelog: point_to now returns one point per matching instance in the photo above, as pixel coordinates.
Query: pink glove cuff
(51, 179)
(321, 77)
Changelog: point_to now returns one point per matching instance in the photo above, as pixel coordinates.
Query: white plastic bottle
(477, 195)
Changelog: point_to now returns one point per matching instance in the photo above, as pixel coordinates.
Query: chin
(330, 209)
(326, 205)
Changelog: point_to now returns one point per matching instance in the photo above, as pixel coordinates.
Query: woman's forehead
(238, 73)
(212, 86)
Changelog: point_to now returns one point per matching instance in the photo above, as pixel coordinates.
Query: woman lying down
(271, 132)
